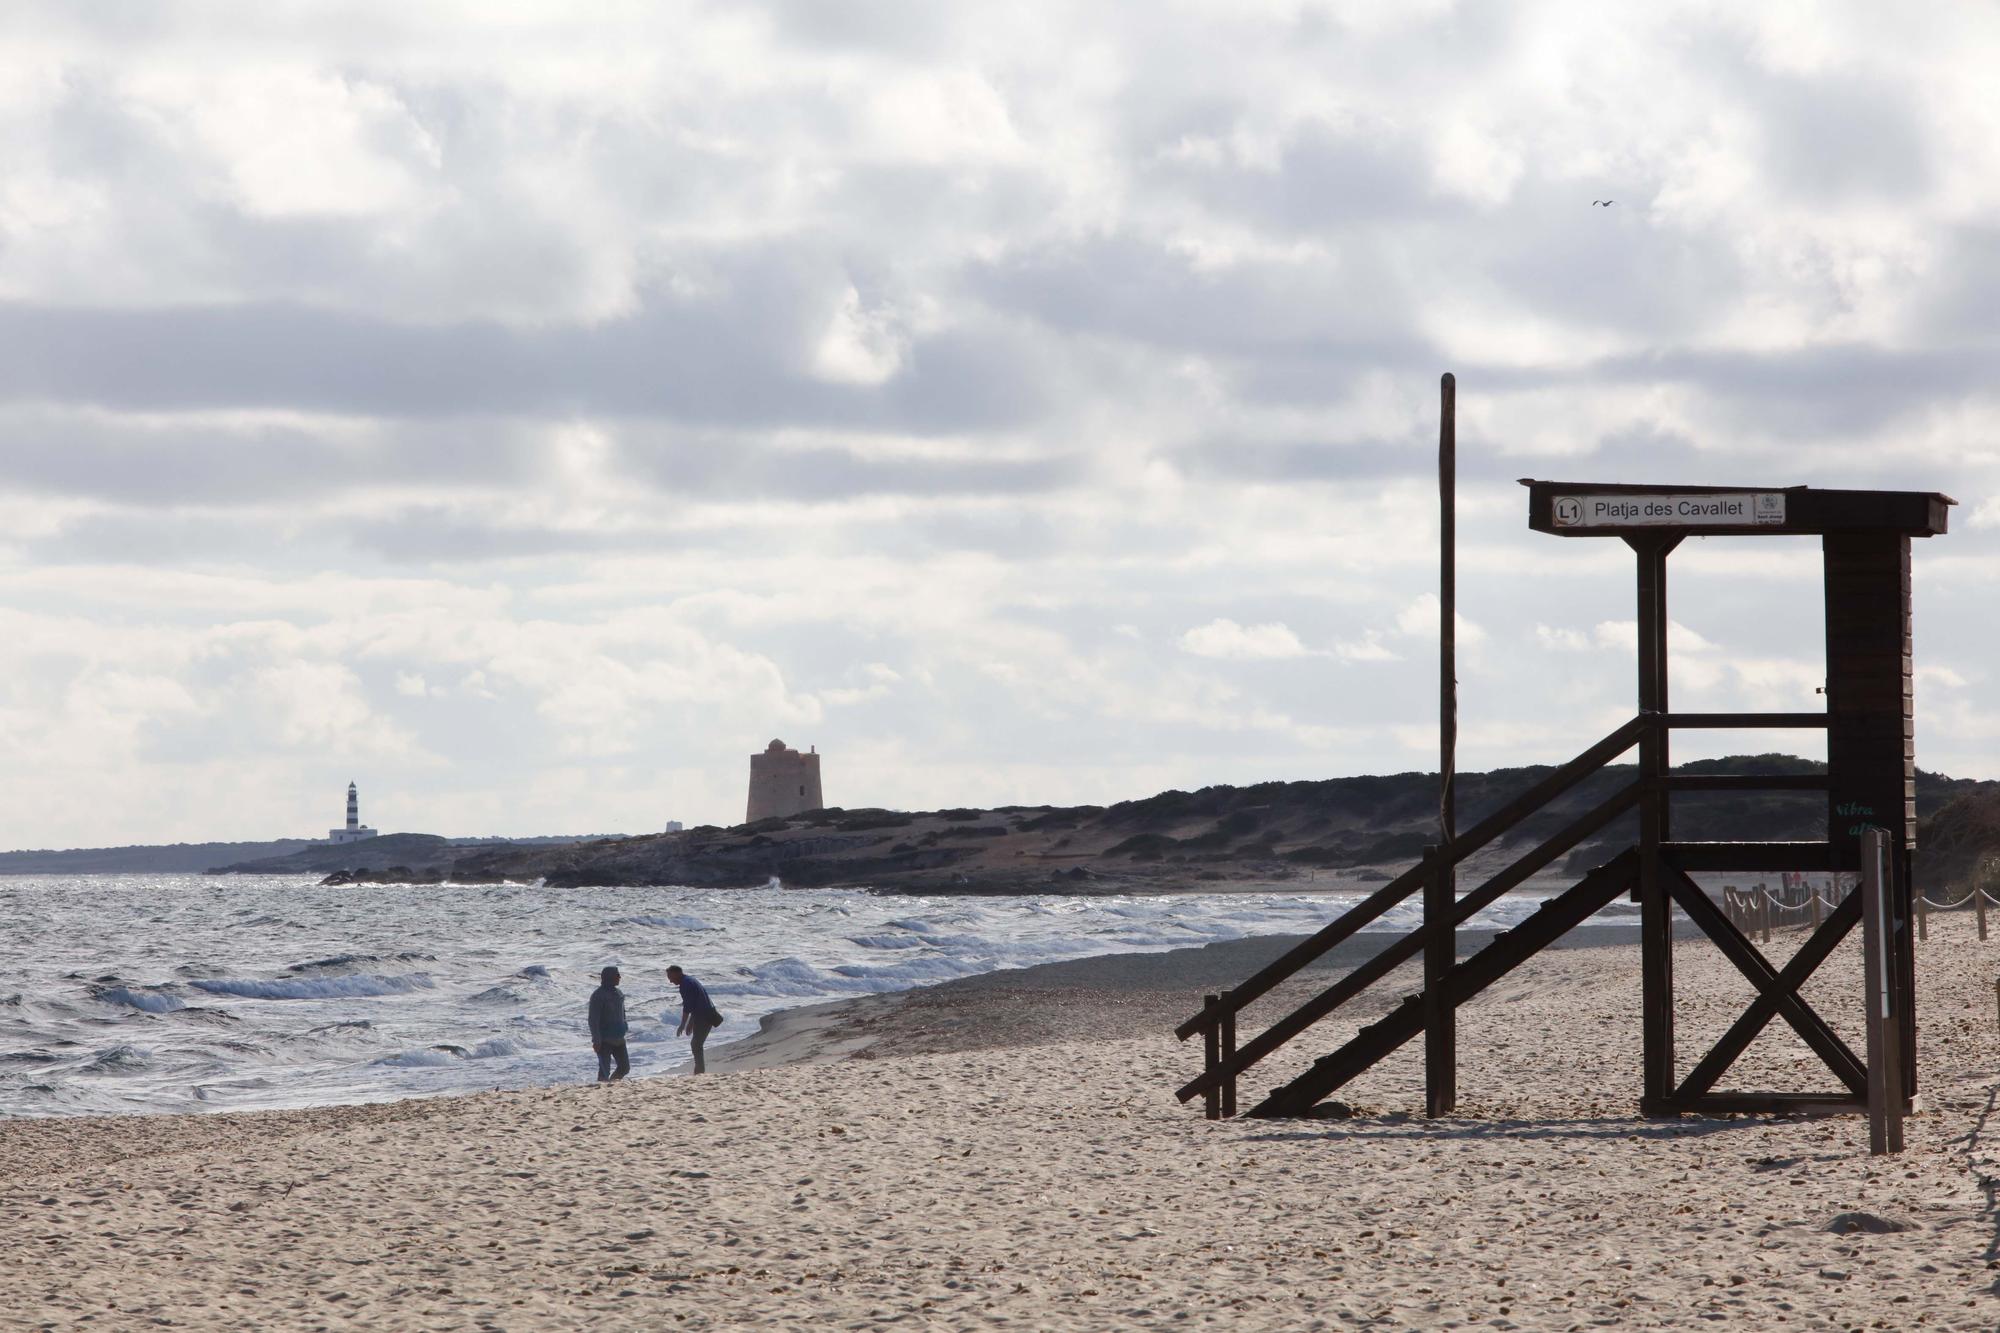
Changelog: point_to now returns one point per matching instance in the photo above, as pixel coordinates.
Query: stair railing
(1224, 1061)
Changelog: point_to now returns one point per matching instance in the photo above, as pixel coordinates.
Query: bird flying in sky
(1602, 203)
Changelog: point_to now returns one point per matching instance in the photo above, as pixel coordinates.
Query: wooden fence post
(1923, 915)
(1764, 908)
(1228, 1053)
(1211, 1050)
(1440, 956)
(1979, 906)
(1814, 890)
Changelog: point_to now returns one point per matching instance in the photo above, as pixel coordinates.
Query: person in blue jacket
(698, 1013)
(607, 1027)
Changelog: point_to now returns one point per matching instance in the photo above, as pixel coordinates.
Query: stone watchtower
(783, 782)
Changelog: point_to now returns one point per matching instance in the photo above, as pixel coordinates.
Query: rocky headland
(1350, 830)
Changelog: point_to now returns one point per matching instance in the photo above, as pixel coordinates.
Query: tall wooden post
(1441, 878)
(1656, 927)
(1878, 952)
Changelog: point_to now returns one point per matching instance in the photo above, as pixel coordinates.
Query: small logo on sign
(1569, 511)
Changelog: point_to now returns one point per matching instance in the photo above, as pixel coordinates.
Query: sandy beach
(1006, 1152)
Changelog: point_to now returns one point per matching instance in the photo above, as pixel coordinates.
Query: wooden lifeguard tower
(1870, 782)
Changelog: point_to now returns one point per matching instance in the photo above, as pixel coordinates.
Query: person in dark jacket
(698, 1013)
(607, 1028)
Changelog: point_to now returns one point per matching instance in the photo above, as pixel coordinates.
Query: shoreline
(1006, 1151)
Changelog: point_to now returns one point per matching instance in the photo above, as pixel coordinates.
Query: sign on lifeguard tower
(1742, 509)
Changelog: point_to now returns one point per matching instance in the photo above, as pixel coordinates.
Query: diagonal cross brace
(1777, 991)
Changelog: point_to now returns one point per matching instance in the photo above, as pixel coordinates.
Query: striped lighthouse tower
(355, 830)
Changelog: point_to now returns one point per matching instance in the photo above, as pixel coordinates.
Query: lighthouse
(355, 830)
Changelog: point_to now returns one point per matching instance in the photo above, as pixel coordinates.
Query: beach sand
(1007, 1152)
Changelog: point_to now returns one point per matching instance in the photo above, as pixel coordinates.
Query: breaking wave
(323, 988)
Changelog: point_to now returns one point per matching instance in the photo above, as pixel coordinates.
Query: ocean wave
(534, 971)
(449, 1053)
(429, 1058)
(118, 1060)
(910, 972)
(666, 922)
(782, 978)
(153, 1002)
(494, 1048)
(322, 988)
(890, 941)
(348, 962)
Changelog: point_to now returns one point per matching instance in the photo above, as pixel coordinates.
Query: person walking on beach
(607, 1027)
(698, 1013)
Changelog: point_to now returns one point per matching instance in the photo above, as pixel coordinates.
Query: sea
(174, 993)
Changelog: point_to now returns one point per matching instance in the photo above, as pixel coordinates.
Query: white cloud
(1230, 641)
(1562, 640)
(1424, 613)
(550, 413)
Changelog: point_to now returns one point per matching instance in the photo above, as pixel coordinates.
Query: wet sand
(1006, 1152)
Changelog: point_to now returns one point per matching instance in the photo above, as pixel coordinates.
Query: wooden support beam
(1744, 721)
(1656, 926)
(1228, 1053)
(1884, 1086)
(1402, 949)
(1768, 1103)
(1749, 858)
(1764, 1008)
(1745, 782)
(1738, 949)
(1440, 1016)
(1401, 887)
(1548, 923)
(1211, 1056)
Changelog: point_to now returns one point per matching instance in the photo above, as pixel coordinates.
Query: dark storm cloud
(1296, 461)
(191, 462)
(726, 469)
(735, 358)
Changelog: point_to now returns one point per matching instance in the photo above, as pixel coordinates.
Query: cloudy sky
(529, 411)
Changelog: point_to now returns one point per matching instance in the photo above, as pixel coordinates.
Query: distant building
(783, 782)
(355, 830)
(674, 826)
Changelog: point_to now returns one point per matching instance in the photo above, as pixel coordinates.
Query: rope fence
(1760, 909)
(1798, 901)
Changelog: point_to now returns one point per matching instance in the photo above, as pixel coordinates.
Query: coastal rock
(1870, 1223)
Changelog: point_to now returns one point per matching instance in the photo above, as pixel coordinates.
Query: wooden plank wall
(1871, 720)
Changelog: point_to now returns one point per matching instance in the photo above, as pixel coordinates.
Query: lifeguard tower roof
(1598, 509)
